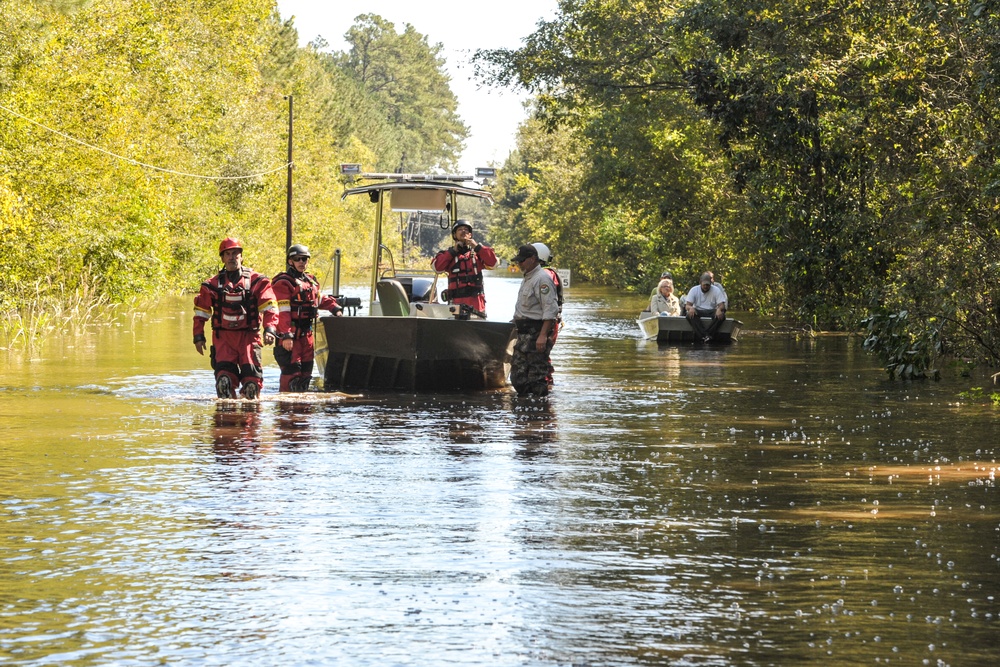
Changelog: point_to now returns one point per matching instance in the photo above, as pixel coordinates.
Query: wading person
(299, 301)
(464, 262)
(544, 257)
(535, 316)
(237, 301)
(705, 299)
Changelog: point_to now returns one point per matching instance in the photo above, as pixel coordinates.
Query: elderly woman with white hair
(664, 301)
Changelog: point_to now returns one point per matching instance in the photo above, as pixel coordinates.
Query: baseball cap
(523, 253)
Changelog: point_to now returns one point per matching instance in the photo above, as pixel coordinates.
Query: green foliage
(907, 349)
(95, 92)
(835, 161)
(405, 74)
(620, 198)
(978, 395)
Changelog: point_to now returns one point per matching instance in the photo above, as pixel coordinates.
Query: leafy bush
(906, 352)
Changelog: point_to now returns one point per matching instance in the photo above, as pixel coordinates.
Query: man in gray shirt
(535, 316)
(705, 299)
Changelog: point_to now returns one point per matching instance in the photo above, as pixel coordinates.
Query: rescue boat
(409, 340)
(676, 329)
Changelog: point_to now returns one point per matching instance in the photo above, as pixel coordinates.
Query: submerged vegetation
(47, 304)
(979, 395)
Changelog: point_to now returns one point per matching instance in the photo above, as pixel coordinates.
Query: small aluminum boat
(676, 329)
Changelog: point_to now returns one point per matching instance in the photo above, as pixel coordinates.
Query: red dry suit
(559, 320)
(299, 300)
(559, 299)
(237, 304)
(465, 274)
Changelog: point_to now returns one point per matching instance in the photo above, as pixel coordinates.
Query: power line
(137, 162)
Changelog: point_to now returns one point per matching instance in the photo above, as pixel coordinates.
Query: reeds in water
(46, 306)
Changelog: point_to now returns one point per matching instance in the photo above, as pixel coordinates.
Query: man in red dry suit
(299, 301)
(237, 301)
(464, 263)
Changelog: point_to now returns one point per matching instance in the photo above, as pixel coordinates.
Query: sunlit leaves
(406, 75)
(194, 88)
(859, 140)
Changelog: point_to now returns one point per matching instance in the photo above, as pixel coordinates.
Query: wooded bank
(835, 162)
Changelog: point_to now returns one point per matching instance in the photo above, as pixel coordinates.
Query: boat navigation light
(350, 171)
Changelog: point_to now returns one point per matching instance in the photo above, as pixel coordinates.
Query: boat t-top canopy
(413, 193)
(427, 186)
(444, 184)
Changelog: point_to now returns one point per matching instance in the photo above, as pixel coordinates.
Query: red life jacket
(558, 284)
(465, 279)
(236, 305)
(302, 304)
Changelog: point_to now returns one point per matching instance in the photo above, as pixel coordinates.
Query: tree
(655, 185)
(406, 75)
(858, 139)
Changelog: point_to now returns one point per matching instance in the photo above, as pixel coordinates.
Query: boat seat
(393, 298)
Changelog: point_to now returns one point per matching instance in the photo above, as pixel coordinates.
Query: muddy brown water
(773, 502)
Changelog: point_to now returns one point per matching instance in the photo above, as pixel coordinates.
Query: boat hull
(413, 353)
(676, 329)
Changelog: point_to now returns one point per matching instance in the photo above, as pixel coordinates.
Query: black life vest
(465, 279)
(235, 307)
(302, 304)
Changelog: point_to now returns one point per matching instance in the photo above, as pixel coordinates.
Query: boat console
(409, 341)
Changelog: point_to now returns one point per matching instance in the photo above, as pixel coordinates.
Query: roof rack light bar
(353, 171)
(415, 177)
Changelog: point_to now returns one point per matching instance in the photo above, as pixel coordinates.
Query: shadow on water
(775, 501)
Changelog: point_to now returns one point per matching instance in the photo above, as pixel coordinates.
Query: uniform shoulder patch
(544, 289)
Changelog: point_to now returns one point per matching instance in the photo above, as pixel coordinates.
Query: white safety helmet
(544, 254)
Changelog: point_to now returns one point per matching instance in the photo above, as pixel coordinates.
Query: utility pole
(288, 203)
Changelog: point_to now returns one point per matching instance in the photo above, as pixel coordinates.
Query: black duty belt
(528, 326)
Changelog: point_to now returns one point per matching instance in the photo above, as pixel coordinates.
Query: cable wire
(137, 162)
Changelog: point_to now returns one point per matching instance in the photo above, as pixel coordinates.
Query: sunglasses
(300, 259)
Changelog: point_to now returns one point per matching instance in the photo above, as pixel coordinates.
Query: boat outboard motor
(422, 289)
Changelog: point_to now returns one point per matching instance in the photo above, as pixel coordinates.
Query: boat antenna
(288, 197)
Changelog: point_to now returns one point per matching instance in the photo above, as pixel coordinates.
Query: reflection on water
(771, 502)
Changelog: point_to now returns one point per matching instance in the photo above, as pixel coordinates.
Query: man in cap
(464, 263)
(545, 256)
(237, 300)
(706, 299)
(299, 301)
(535, 316)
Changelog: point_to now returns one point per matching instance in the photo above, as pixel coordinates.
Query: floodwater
(774, 502)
